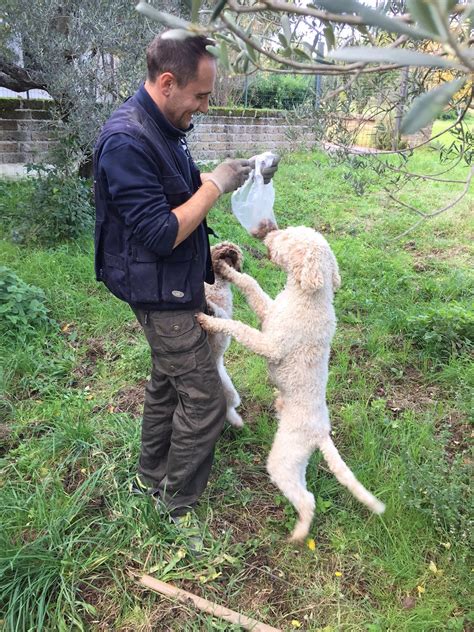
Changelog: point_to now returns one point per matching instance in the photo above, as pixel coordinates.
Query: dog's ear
(306, 268)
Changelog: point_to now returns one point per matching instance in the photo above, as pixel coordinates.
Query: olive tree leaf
(221, 53)
(330, 37)
(372, 17)
(283, 41)
(425, 107)
(252, 53)
(195, 6)
(218, 9)
(171, 21)
(177, 34)
(285, 25)
(427, 17)
(398, 56)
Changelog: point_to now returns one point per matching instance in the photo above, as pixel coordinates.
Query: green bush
(448, 115)
(281, 92)
(22, 306)
(443, 329)
(58, 209)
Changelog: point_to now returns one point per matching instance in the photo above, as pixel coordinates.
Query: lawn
(400, 397)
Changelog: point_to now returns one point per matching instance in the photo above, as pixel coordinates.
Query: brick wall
(24, 135)
(216, 136)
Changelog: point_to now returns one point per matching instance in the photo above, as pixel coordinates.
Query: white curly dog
(296, 333)
(219, 303)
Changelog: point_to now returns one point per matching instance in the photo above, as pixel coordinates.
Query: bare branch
(427, 216)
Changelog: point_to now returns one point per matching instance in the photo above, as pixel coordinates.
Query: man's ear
(166, 82)
(305, 264)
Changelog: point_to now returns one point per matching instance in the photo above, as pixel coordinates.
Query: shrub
(443, 329)
(22, 306)
(58, 209)
(281, 92)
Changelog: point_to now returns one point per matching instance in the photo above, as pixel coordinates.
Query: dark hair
(178, 56)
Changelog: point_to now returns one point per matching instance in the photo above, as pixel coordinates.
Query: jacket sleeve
(130, 177)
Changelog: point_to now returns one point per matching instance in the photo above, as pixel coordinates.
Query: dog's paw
(211, 308)
(234, 418)
(223, 268)
(205, 321)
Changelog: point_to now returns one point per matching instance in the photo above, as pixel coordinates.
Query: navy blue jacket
(142, 170)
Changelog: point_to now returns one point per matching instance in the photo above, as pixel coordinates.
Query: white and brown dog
(219, 302)
(295, 337)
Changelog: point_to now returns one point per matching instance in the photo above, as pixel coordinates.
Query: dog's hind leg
(286, 465)
(231, 395)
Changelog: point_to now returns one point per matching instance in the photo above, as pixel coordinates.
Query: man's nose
(204, 107)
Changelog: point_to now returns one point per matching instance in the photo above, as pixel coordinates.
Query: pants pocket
(175, 366)
(174, 333)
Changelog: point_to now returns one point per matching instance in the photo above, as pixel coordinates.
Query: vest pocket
(143, 275)
(114, 274)
(176, 277)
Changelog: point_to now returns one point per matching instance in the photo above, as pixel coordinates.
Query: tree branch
(17, 78)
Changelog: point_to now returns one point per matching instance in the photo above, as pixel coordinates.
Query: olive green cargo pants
(184, 409)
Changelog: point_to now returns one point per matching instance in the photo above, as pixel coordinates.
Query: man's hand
(267, 172)
(229, 175)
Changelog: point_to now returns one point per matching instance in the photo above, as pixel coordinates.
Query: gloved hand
(267, 172)
(229, 175)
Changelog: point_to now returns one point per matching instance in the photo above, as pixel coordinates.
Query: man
(152, 251)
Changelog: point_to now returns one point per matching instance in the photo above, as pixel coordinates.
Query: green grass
(400, 396)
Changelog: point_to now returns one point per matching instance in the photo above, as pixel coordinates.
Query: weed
(22, 306)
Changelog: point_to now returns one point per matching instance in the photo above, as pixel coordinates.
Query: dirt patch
(74, 477)
(95, 351)
(256, 254)
(5, 438)
(459, 434)
(129, 399)
(411, 393)
(101, 598)
(427, 260)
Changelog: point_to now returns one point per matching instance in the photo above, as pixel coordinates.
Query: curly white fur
(295, 337)
(219, 301)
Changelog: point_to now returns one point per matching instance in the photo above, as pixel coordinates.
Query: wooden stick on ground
(203, 604)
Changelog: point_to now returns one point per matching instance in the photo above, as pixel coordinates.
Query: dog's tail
(346, 477)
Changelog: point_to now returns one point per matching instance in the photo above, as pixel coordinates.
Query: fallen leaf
(434, 569)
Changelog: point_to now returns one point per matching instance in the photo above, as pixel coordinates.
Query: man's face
(185, 101)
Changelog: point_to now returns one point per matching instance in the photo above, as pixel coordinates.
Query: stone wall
(216, 136)
(24, 134)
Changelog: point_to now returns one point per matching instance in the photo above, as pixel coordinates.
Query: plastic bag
(252, 203)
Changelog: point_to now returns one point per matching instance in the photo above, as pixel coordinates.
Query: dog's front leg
(251, 338)
(258, 300)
